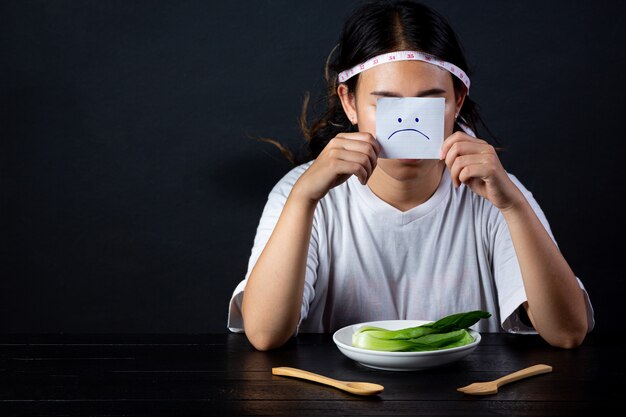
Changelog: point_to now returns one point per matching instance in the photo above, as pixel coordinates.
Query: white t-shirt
(369, 261)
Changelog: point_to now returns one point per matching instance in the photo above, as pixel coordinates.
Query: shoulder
(484, 209)
(534, 204)
(527, 194)
(279, 193)
(483, 212)
(521, 186)
(467, 195)
(293, 174)
(285, 184)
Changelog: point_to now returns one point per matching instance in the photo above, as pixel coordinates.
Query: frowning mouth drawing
(408, 129)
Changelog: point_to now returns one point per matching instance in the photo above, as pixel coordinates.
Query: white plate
(399, 361)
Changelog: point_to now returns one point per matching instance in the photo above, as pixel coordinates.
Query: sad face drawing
(410, 127)
(400, 121)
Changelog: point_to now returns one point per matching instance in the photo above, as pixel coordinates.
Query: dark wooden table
(222, 374)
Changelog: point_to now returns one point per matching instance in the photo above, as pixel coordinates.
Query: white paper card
(410, 127)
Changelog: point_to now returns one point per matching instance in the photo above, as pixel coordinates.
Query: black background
(132, 183)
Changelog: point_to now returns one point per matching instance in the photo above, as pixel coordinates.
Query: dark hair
(374, 28)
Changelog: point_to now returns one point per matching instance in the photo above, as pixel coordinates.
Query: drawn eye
(417, 119)
(399, 119)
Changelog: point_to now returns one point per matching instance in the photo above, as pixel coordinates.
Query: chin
(402, 160)
(405, 162)
(403, 169)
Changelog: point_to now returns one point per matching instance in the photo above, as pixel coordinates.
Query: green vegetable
(447, 332)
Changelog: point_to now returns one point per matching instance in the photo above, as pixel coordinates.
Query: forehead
(405, 77)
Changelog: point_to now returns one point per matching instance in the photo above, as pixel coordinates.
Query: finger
(457, 137)
(462, 162)
(363, 160)
(365, 148)
(468, 172)
(363, 137)
(359, 158)
(345, 167)
(484, 169)
(467, 148)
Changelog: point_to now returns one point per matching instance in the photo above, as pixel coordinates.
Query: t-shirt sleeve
(271, 212)
(508, 276)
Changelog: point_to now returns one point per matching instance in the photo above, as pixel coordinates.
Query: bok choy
(447, 332)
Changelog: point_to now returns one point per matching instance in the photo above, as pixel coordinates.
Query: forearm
(556, 304)
(273, 295)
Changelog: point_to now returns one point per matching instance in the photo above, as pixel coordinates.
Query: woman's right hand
(347, 154)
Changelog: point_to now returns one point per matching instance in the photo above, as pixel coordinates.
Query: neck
(406, 191)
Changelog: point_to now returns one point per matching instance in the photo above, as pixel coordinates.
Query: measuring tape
(406, 56)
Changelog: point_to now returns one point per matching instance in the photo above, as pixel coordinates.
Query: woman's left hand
(474, 162)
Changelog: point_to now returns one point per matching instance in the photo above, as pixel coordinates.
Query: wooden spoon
(491, 387)
(359, 388)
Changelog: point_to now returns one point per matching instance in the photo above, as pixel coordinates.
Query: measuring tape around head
(405, 56)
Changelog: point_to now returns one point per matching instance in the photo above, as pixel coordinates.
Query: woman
(349, 237)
